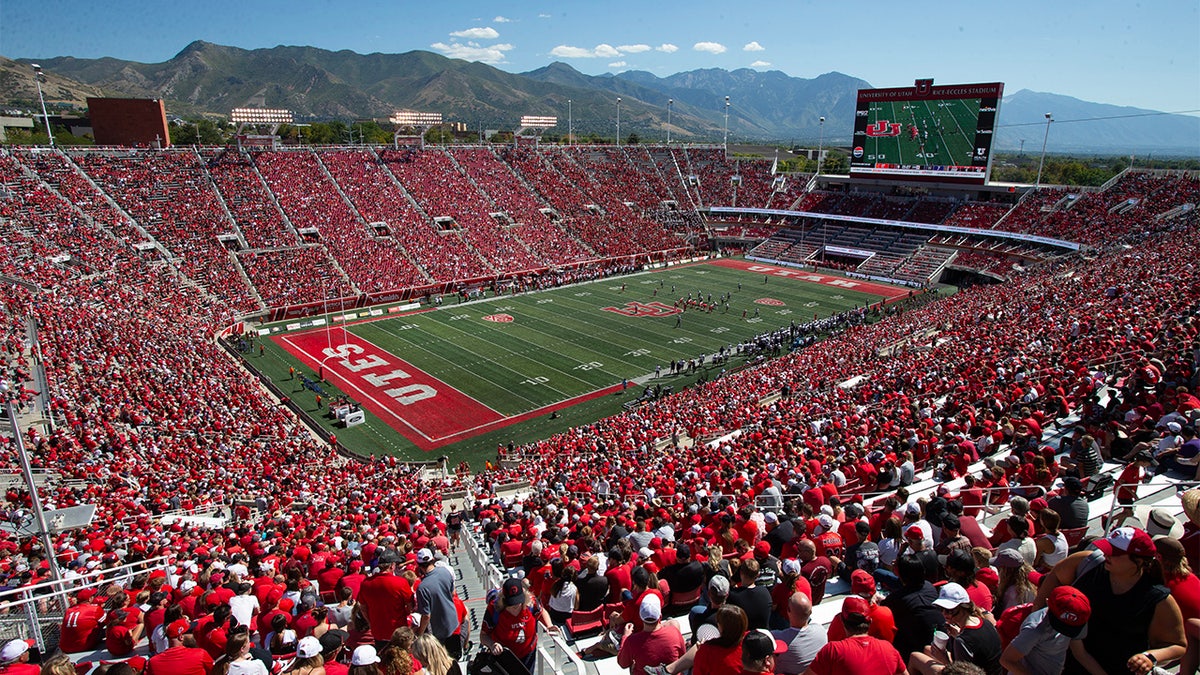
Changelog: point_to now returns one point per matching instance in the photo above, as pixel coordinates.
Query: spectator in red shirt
(81, 623)
(386, 599)
(178, 659)
(14, 658)
(858, 653)
(658, 643)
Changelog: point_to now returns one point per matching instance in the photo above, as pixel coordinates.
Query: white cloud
(760, 64)
(617, 64)
(667, 48)
(487, 33)
(471, 51)
(710, 47)
(502, 19)
(543, 16)
(600, 51)
(753, 46)
(633, 49)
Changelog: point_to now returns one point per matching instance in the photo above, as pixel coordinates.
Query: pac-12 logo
(858, 152)
(651, 309)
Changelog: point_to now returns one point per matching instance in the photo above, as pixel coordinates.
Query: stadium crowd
(738, 501)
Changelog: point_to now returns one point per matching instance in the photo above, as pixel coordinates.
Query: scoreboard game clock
(926, 132)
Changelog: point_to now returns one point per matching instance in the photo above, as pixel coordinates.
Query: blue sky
(1144, 54)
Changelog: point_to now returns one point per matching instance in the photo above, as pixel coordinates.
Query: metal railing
(554, 655)
(36, 612)
(1176, 486)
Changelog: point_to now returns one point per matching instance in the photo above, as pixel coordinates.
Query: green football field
(462, 378)
(944, 132)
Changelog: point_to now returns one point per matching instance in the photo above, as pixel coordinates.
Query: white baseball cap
(13, 649)
(364, 655)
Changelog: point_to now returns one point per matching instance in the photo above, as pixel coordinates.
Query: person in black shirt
(912, 607)
(753, 599)
(779, 533)
(593, 588)
(686, 575)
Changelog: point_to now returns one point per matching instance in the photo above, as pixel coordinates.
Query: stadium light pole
(1042, 161)
(39, 77)
(570, 125)
(725, 142)
(618, 121)
(670, 104)
(820, 144)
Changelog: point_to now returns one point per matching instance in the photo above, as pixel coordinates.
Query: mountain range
(317, 84)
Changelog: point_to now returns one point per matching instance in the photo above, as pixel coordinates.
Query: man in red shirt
(81, 623)
(618, 575)
(14, 658)
(386, 599)
(178, 659)
(328, 578)
(858, 653)
(657, 644)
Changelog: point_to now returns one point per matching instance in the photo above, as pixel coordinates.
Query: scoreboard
(926, 132)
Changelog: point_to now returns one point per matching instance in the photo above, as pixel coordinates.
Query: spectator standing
(435, 602)
(386, 599)
(509, 623)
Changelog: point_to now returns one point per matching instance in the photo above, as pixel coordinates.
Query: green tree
(439, 136)
(633, 139)
(835, 162)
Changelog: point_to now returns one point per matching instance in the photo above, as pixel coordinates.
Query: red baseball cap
(854, 604)
(762, 549)
(914, 532)
(1127, 541)
(178, 628)
(1068, 610)
(862, 583)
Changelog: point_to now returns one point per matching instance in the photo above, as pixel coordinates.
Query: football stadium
(561, 408)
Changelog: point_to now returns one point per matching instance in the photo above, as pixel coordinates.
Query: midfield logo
(651, 309)
(884, 128)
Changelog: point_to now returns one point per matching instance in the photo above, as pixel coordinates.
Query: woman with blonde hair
(397, 657)
(433, 656)
(59, 664)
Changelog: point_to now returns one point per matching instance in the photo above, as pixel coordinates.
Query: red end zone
(888, 292)
(423, 409)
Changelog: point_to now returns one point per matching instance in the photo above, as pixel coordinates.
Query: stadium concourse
(116, 282)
